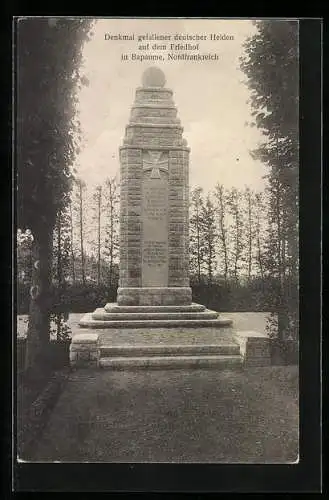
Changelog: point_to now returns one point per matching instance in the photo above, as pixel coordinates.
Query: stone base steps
(88, 321)
(168, 350)
(162, 336)
(121, 357)
(113, 307)
(150, 317)
(171, 362)
(101, 315)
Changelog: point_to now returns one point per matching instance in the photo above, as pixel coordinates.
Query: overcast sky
(210, 97)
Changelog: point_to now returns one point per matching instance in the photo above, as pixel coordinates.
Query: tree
(61, 266)
(47, 135)
(220, 207)
(196, 245)
(99, 212)
(233, 201)
(111, 250)
(62, 247)
(271, 66)
(97, 219)
(259, 234)
(24, 256)
(80, 195)
(249, 230)
(72, 240)
(209, 237)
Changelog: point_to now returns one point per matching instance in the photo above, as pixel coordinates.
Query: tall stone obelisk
(154, 158)
(154, 288)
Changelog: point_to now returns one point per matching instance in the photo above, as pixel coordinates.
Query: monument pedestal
(158, 336)
(154, 296)
(151, 317)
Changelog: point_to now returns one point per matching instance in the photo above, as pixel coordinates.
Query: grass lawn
(175, 416)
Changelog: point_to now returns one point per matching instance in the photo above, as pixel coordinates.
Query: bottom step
(167, 362)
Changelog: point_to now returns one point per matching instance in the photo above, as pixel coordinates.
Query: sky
(210, 97)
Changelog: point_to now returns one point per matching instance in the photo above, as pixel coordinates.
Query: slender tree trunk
(282, 312)
(260, 259)
(111, 255)
(59, 252)
(59, 273)
(198, 245)
(259, 255)
(99, 236)
(279, 222)
(111, 235)
(258, 241)
(209, 258)
(236, 247)
(81, 237)
(249, 237)
(30, 263)
(111, 228)
(72, 247)
(292, 272)
(281, 321)
(208, 219)
(223, 238)
(111, 269)
(39, 313)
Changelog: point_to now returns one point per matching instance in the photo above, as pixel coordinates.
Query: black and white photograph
(157, 240)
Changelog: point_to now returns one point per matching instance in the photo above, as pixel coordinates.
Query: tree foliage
(271, 66)
(49, 56)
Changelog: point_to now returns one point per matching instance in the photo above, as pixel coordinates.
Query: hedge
(79, 298)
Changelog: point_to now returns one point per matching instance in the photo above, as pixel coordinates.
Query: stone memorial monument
(154, 214)
(154, 321)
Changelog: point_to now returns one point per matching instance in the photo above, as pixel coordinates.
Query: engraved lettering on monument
(155, 219)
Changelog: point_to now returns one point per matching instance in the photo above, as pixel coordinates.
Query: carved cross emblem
(155, 165)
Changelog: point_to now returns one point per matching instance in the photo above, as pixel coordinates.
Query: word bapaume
(174, 57)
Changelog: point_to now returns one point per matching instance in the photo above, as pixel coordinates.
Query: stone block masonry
(254, 348)
(84, 350)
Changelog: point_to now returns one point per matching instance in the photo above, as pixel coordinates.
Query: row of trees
(88, 234)
(228, 234)
(85, 238)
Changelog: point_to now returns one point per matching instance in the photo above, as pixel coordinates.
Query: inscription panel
(155, 227)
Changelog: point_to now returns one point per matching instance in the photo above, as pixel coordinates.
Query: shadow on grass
(37, 391)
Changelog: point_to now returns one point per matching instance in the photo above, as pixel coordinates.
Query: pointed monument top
(153, 77)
